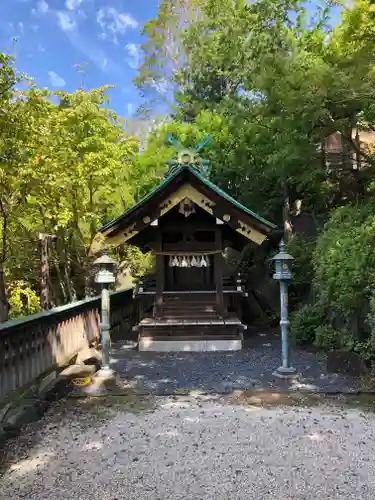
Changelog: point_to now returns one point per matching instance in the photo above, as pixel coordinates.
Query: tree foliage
(65, 168)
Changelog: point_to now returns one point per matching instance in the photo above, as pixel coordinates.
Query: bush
(302, 250)
(304, 322)
(138, 263)
(327, 337)
(344, 259)
(22, 300)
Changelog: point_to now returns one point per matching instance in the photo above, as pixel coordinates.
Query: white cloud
(56, 80)
(133, 55)
(94, 53)
(35, 27)
(66, 20)
(73, 4)
(21, 27)
(114, 23)
(41, 8)
(41, 48)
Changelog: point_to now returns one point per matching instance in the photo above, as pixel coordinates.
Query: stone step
(190, 330)
(189, 305)
(190, 298)
(192, 307)
(190, 344)
(179, 338)
(191, 313)
(204, 316)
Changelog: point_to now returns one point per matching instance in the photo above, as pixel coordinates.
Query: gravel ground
(252, 367)
(188, 448)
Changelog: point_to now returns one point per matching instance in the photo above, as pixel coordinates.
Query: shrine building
(188, 303)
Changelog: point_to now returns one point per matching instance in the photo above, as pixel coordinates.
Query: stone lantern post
(283, 275)
(105, 276)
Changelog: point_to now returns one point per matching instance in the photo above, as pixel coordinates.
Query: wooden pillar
(218, 266)
(158, 312)
(45, 299)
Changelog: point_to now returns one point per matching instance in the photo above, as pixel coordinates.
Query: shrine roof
(178, 172)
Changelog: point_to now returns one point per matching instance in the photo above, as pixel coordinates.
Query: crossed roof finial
(188, 156)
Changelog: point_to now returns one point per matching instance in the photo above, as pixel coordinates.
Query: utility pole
(45, 299)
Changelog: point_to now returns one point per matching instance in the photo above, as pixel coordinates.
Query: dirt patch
(365, 402)
(100, 407)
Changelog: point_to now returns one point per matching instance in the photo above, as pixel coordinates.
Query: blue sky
(54, 35)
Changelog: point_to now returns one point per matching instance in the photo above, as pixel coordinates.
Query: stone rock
(78, 371)
(22, 414)
(4, 410)
(89, 356)
(47, 382)
(346, 362)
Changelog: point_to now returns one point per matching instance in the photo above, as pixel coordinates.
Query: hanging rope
(190, 254)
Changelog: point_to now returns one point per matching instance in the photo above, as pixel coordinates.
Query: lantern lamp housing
(282, 261)
(105, 265)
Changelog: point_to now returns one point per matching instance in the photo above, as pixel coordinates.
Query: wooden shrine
(188, 303)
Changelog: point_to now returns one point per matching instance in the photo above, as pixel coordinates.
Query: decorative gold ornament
(186, 207)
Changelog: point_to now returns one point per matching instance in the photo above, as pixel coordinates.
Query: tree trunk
(56, 263)
(286, 214)
(68, 281)
(91, 208)
(44, 289)
(4, 305)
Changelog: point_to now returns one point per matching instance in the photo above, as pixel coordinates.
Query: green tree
(86, 157)
(65, 169)
(281, 81)
(20, 119)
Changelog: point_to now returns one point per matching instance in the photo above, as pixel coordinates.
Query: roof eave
(242, 208)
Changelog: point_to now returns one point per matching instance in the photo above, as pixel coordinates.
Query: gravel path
(252, 367)
(184, 448)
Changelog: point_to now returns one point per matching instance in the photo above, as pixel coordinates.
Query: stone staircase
(190, 323)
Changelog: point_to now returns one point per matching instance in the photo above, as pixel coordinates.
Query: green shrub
(363, 348)
(327, 337)
(304, 322)
(344, 259)
(302, 250)
(22, 299)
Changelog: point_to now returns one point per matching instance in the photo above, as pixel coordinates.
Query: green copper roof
(205, 181)
(234, 202)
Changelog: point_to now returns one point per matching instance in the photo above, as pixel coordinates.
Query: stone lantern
(283, 274)
(104, 277)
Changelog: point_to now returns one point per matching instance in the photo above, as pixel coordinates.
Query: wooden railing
(31, 346)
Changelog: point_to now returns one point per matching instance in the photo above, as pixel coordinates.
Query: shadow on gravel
(251, 368)
(80, 412)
